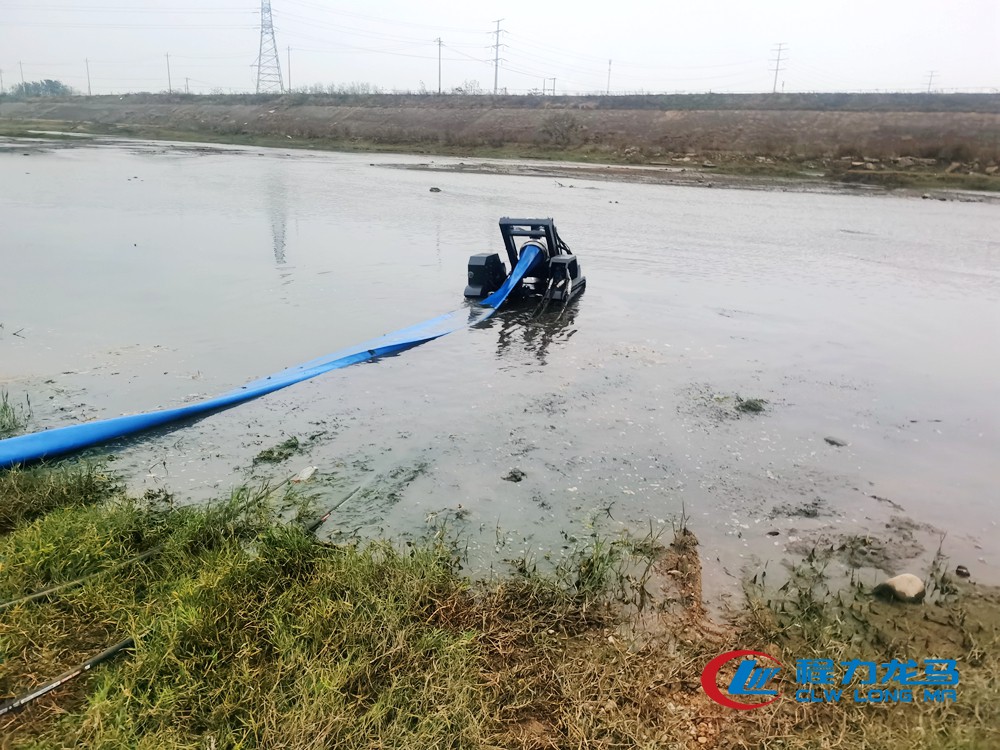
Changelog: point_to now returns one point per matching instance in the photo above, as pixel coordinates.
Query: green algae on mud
(278, 453)
(250, 632)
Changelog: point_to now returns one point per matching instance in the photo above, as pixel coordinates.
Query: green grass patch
(252, 633)
(14, 416)
(29, 493)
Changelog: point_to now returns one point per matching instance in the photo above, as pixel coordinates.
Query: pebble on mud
(514, 475)
(905, 588)
(835, 442)
(435, 190)
(962, 572)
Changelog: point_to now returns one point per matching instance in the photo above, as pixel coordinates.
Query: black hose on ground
(20, 702)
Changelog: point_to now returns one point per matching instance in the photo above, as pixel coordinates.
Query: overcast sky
(711, 45)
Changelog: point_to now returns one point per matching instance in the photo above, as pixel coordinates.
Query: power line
(324, 9)
(126, 9)
(930, 79)
(151, 25)
(777, 65)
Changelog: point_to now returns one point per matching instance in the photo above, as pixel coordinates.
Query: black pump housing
(555, 275)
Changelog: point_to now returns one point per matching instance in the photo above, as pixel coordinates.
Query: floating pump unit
(554, 275)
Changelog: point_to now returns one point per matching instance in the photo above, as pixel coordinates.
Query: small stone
(514, 475)
(773, 533)
(435, 190)
(835, 442)
(905, 588)
(962, 572)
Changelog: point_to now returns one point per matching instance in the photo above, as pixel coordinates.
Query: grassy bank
(252, 633)
(835, 164)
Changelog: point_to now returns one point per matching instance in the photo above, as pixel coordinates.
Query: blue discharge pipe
(61, 440)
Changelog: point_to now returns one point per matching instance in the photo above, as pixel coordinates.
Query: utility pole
(930, 79)
(439, 43)
(87, 61)
(268, 62)
(544, 84)
(289, 68)
(609, 78)
(781, 49)
(553, 86)
(21, 66)
(496, 59)
(170, 85)
(187, 85)
(2, 92)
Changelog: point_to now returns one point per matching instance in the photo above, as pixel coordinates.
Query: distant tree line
(47, 87)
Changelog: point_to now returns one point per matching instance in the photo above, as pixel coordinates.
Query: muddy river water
(136, 276)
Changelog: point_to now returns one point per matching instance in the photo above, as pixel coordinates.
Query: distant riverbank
(906, 141)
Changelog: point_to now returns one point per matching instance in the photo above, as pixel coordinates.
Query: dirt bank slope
(557, 124)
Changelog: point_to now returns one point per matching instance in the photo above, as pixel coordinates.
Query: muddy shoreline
(690, 176)
(894, 543)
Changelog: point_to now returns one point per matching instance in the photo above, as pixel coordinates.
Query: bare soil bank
(887, 146)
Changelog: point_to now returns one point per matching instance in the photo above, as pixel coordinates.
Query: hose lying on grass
(20, 702)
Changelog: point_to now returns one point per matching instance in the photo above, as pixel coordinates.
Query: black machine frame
(554, 276)
(533, 229)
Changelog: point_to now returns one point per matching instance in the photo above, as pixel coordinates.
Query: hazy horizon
(721, 47)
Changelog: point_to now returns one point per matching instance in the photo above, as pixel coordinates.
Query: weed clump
(29, 493)
(750, 405)
(14, 416)
(278, 453)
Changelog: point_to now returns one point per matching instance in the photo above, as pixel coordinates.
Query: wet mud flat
(177, 272)
(690, 172)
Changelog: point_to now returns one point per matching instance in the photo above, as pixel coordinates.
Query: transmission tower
(496, 59)
(268, 64)
(781, 49)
